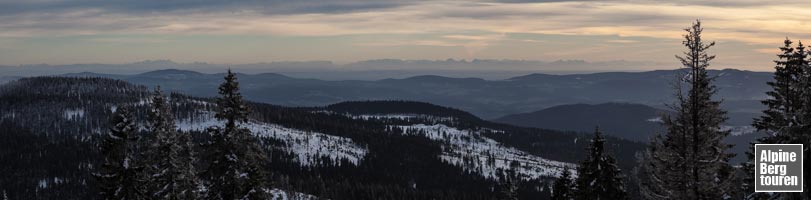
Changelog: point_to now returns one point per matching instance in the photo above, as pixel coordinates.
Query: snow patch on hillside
(9, 115)
(308, 146)
(45, 183)
(143, 102)
(400, 117)
(195, 102)
(277, 194)
(477, 153)
(71, 114)
(392, 116)
(739, 130)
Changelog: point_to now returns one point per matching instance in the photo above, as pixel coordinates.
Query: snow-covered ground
(655, 119)
(739, 130)
(477, 153)
(400, 116)
(8, 115)
(277, 194)
(71, 114)
(308, 146)
(45, 183)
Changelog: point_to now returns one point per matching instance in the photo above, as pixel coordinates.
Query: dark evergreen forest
(53, 126)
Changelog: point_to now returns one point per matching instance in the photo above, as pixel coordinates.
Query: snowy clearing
(656, 119)
(308, 146)
(400, 117)
(476, 153)
(71, 114)
(739, 130)
(277, 194)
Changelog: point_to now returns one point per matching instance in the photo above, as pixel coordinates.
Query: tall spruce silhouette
(237, 158)
(119, 177)
(563, 187)
(598, 176)
(690, 161)
(169, 164)
(787, 118)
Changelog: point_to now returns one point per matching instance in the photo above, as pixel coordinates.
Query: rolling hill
(630, 121)
(489, 99)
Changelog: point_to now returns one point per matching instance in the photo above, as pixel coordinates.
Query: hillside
(635, 122)
(630, 121)
(360, 150)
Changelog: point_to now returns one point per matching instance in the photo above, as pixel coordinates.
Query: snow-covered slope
(474, 152)
(739, 130)
(277, 194)
(400, 117)
(308, 146)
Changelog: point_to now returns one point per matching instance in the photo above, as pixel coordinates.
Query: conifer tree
(783, 114)
(650, 187)
(169, 160)
(803, 136)
(598, 176)
(236, 169)
(119, 176)
(690, 161)
(787, 118)
(563, 186)
(509, 183)
(779, 104)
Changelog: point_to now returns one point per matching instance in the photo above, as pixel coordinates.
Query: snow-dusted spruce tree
(119, 176)
(787, 118)
(562, 188)
(690, 161)
(236, 169)
(168, 163)
(598, 176)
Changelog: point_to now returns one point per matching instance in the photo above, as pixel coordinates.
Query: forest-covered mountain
(630, 121)
(635, 122)
(352, 150)
(741, 90)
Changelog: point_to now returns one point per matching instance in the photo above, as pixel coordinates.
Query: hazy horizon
(360, 70)
(61, 32)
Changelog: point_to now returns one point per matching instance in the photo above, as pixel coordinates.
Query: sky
(747, 32)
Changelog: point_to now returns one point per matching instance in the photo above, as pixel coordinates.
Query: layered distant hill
(630, 121)
(740, 90)
(634, 122)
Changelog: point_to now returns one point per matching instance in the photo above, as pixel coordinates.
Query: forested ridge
(54, 125)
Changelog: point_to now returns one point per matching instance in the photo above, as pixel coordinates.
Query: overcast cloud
(120, 31)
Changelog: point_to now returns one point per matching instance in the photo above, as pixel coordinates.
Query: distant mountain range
(489, 99)
(360, 70)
